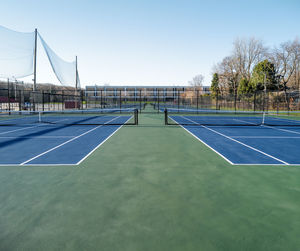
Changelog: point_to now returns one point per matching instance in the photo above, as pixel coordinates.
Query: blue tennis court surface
(249, 145)
(46, 144)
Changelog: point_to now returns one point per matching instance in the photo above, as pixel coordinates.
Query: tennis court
(244, 138)
(59, 137)
(148, 187)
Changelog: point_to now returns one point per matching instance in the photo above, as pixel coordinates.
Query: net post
(136, 113)
(40, 117)
(263, 120)
(166, 116)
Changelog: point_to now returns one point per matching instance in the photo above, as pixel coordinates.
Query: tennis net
(230, 118)
(71, 117)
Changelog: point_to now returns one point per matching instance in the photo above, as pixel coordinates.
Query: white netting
(64, 71)
(16, 53)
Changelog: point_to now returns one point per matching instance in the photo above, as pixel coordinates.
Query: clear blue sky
(159, 42)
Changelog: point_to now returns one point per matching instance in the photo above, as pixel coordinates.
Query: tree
(245, 87)
(246, 54)
(286, 59)
(264, 76)
(215, 90)
(197, 81)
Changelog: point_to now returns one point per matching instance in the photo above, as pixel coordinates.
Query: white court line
(66, 142)
(19, 129)
(284, 119)
(35, 137)
(28, 127)
(266, 137)
(85, 157)
(272, 127)
(280, 129)
(204, 142)
(250, 147)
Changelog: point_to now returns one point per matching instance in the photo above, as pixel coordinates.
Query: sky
(153, 42)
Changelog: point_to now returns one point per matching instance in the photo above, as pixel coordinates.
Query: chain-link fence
(257, 101)
(18, 100)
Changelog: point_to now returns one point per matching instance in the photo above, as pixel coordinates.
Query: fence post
(217, 100)
(197, 100)
(158, 100)
(120, 99)
(33, 100)
(235, 99)
(277, 101)
(178, 100)
(81, 100)
(101, 103)
(8, 94)
(254, 108)
(62, 100)
(140, 101)
(20, 100)
(43, 101)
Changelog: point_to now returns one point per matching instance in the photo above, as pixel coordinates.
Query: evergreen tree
(264, 73)
(245, 87)
(215, 89)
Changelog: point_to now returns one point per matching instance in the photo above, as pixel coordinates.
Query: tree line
(252, 67)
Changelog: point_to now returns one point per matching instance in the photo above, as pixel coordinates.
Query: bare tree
(197, 81)
(228, 77)
(246, 54)
(286, 59)
(228, 73)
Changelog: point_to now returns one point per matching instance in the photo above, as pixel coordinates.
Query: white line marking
(37, 165)
(284, 119)
(272, 127)
(266, 137)
(28, 127)
(280, 129)
(204, 142)
(66, 142)
(85, 157)
(35, 137)
(51, 165)
(266, 164)
(19, 129)
(250, 147)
